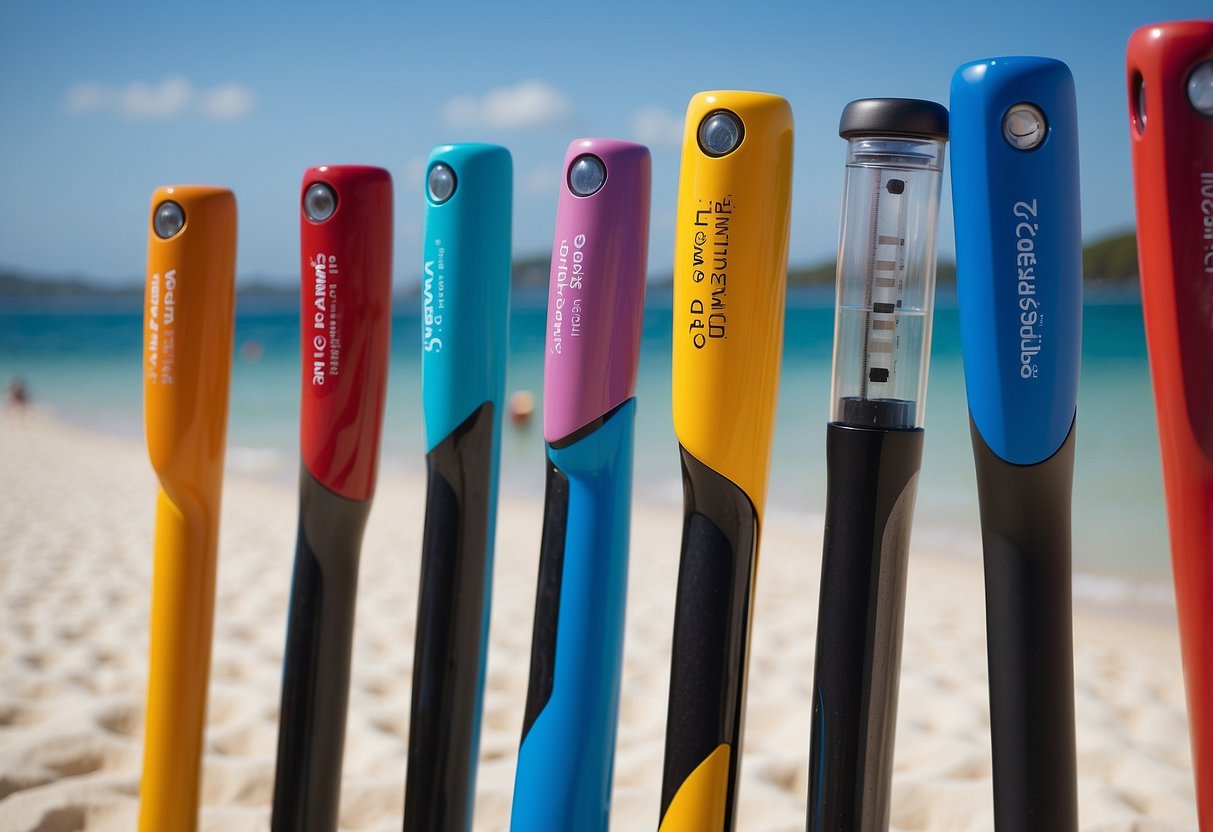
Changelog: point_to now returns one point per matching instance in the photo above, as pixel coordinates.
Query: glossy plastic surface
(1018, 255)
(730, 276)
(1173, 175)
(1019, 264)
(345, 320)
(704, 799)
(595, 311)
(316, 665)
(345, 324)
(465, 318)
(465, 289)
(1026, 550)
(453, 610)
(872, 485)
(596, 293)
(187, 356)
(710, 652)
(565, 763)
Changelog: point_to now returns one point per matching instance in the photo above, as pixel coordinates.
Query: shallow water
(82, 357)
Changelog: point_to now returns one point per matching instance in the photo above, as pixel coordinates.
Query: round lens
(586, 175)
(1024, 127)
(720, 133)
(168, 219)
(319, 202)
(1200, 89)
(441, 183)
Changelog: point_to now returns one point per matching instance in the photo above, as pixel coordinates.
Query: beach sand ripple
(75, 570)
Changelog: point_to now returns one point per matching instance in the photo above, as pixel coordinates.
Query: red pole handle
(1172, 142)
(345, 321)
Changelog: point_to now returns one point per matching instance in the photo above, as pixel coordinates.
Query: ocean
(81, 357)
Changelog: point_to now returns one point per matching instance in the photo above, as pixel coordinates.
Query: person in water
(18, 394)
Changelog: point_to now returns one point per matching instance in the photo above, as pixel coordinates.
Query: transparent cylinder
(886, 281)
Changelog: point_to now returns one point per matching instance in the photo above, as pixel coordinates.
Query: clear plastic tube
(886, 281)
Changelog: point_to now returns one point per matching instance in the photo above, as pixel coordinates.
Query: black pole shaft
(452, 616)
(710, 651)
(316, 671)
(872, 482)
(1025, 531)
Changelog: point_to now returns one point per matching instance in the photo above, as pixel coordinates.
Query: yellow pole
(730, 274)
(187, 360)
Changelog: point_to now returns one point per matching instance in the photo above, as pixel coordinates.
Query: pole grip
(710, 652)
(451, 646)
(872, 484)
(567, 755)
(316, 668)
(1025, 532)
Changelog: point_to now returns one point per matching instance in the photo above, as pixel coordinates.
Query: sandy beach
(75, 570)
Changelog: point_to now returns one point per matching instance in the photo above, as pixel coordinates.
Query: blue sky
(102, 102)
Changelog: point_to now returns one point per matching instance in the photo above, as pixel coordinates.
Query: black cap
(894, 117)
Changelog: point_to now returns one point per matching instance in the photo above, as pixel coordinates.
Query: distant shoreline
(1108, 263)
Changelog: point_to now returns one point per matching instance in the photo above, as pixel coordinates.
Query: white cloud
(655, 126)
(227, 102)
(525, 105)
(168, 98)
(174, 96)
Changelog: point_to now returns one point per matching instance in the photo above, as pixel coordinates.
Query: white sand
(75, 570)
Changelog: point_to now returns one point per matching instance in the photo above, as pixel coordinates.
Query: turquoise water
(83, 359)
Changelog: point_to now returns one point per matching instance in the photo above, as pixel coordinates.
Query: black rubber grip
(451, 611)
(1025, 532)
(872, 480)
(316, 671)
(547, 596)
(711, 628)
